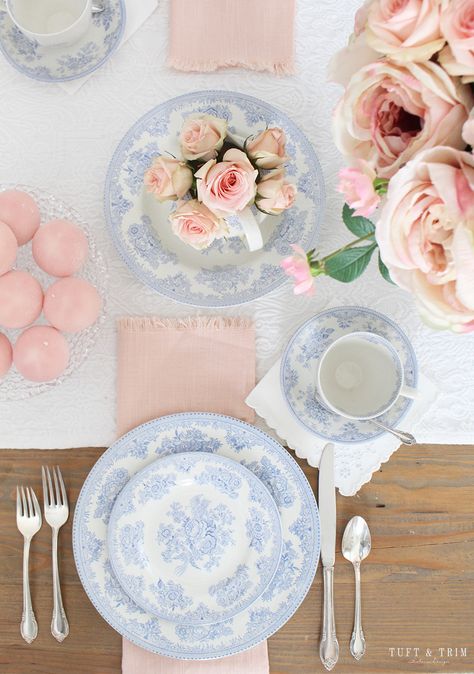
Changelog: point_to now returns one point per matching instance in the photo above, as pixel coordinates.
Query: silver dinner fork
(28, 521)
(56, 512)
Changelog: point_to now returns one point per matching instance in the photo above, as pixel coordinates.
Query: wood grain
(418, 582)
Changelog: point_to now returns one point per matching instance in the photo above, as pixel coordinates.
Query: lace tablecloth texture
(63, 143)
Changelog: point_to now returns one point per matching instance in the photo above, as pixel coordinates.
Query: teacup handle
(251, 229)
(409, 392)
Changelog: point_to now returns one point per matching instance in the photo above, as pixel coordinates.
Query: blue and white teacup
(360, 376)
(51, 23)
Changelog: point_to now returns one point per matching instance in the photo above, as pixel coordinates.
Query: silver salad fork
(28, 521)
(56, 512)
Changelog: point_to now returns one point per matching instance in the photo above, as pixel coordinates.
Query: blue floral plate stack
(196, 536)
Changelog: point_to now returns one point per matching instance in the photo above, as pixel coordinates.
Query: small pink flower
(168, 179)
(228, 186)
(457, 26)
(298, 267)
(267, 149)
(196, 225)
(274, 194)
(202, 136)
(357, 185)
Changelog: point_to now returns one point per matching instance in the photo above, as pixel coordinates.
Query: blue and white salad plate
(221, 436)
(68, 62)
(299, 366)
(194, 538)
(226, 273)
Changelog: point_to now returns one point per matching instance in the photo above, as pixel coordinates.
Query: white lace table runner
(63, 143)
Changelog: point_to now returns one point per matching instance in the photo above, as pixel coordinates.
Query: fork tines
(26, 502)
(53, 496)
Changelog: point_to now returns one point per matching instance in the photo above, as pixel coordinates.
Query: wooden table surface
(418, 582)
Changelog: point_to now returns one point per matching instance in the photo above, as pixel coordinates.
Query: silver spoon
(97, 9)
(406, 438)
(356, 544)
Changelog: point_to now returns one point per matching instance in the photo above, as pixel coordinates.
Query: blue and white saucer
(226, 273)
(299, 367)
(60, 64)
(194, 538)
(217, 435)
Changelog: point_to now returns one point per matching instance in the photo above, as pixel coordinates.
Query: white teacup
(360, 376)
(51, 22)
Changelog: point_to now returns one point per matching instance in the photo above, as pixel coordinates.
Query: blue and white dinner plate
(299, 367)
(60, 64)
(226, 273)
(218, 435)
(194, 538)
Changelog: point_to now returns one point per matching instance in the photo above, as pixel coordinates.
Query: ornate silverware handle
(329, 647)
(358, 639)
(28, 626)
(59, 623)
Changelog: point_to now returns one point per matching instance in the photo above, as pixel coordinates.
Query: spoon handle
(406, 438)
(358, 639)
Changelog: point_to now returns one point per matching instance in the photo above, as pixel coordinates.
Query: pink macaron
(60, 248)
(21, 299)
(8, 248)
(19, 211)
(41, 353)
(5, 355)
(72, 304)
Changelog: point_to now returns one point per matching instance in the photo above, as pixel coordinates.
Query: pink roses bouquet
(406, 124)
(219, 177)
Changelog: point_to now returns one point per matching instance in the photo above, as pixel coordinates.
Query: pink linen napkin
(168, 366)
(210, 34)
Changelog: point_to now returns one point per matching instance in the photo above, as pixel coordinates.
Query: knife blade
(329, 646)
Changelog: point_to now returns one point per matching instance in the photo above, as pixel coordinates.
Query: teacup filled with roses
(223, 185)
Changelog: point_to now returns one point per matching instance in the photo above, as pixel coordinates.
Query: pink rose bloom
(357, 185)
(348, 61)
(228, 186)
(196, 225)
(168, 179)
(426, 235)
(405, 30)
(274, 194)
(457, 26)
(390, 112)
(298, 267)
(267, 149)
(202, 136)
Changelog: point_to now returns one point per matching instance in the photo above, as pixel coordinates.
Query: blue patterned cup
(51, 22)
(360, 376)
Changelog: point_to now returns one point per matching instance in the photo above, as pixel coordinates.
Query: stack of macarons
(70, 304)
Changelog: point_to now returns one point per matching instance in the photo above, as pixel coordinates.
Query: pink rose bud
(196, 225)
(202, 136)
(298, 267)
(274, 194)
(357, 185)
(267, 149)
(168, 179)
(228, 186)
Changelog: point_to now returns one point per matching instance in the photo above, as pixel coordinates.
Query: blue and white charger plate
(226, 273)
(194, 538)
(64, 63)
(299, 367)
(223, 436)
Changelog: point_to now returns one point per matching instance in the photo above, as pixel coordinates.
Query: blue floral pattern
(230, 590)
(300, 363)
(253, 624)
(69, 62)
(226, 273)
(197, 537)
(131, 542)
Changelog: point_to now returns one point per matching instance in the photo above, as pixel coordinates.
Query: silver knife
(329, 646)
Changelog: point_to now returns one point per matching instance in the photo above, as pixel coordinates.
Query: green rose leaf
(349, 264)
(356, 224)
(384, 271)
